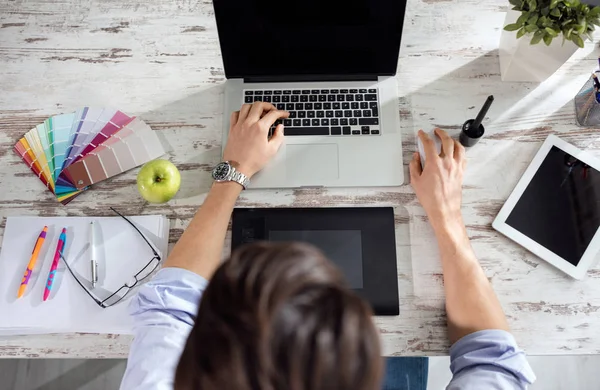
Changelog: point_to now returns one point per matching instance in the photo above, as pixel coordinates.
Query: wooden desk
(160, 60)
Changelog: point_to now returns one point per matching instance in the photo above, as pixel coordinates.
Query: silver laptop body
(332, 160)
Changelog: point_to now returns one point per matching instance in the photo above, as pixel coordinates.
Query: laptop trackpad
(313, 163)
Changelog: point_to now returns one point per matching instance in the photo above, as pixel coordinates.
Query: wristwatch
(224, 171)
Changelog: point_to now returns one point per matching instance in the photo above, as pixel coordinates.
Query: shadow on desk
(62, 374)
(452, 98)
(192, 128)
(193, 125)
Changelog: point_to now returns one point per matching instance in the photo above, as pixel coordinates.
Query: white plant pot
(521, 61)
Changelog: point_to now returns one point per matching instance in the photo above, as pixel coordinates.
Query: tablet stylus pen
(482, 112)
(93, 262)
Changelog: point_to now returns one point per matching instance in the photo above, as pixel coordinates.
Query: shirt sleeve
(163, 311)
(489, 359)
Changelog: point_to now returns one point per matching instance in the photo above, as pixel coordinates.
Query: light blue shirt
(164, 310)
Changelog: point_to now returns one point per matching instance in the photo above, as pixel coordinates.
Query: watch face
(221, 171)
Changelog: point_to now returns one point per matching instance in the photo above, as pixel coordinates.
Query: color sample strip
(86, 128)
(75, 129)
(67, 198)
(24, 151)
(122, 134)
(154, 147)
(40, 156)
(78, 120)
(63, 181)
(64, 191)
(60, 126)
(95, 168)
(102, 120)
(124, 156)
(78, 174)
(65, 176)
(44, 141)
(117, 155)
(50, 135)
(137, 126)
(115, 124)
(110, 163)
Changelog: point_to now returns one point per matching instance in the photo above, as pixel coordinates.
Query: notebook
(120, 251)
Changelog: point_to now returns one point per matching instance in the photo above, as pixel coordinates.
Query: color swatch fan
(69, 152)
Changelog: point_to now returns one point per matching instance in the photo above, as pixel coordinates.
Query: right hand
(248, 147)
(439, 185)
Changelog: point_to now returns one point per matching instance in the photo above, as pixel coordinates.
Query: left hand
(248, 147)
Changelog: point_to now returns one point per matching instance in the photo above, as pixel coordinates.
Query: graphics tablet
(554, 211)
(361, 241)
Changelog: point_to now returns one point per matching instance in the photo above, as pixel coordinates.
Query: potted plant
(541, 35)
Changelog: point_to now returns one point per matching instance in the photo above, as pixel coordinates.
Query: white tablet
(554, 211)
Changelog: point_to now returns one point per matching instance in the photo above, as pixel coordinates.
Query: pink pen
(62, 241)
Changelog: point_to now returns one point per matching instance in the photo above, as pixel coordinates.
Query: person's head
(280, 316)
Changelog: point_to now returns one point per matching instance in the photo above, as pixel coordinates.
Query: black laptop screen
(297, 39)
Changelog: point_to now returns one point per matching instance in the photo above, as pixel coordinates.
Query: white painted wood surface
(160, 60)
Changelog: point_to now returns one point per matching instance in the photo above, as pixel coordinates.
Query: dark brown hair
(280, 317)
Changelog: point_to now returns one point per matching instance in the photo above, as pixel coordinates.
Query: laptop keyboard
(338, 112)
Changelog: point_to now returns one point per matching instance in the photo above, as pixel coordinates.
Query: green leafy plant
(547, 19)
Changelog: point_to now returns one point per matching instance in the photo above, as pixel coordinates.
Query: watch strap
(239, 178)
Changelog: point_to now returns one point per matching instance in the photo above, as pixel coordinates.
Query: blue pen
(62, 242)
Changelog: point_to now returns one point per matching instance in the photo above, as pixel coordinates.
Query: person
(280, 316)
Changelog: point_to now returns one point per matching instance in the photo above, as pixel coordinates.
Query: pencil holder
(587, 109)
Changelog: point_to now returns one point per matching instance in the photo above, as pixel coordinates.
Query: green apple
(158, 181)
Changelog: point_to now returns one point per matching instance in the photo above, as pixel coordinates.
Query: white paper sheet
(120, 253)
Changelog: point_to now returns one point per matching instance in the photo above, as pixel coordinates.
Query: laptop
(331, 64)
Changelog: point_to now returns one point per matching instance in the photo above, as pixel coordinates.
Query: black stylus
(472, 129)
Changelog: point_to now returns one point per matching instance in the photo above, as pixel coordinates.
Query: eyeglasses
(122, 292)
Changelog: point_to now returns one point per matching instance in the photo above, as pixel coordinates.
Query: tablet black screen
(560, 208)
(342, 247)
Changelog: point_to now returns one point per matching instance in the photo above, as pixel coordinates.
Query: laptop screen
(309, 39)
